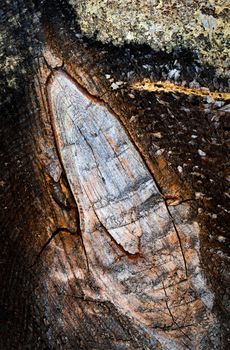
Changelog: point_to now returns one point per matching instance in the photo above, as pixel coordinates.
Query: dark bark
(39, 216)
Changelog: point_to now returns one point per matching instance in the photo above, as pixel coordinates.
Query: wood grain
(49, 297)
(134, 249)
(107, 175)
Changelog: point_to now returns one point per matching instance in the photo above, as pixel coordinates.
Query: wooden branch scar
(133, 246)
(107, 175)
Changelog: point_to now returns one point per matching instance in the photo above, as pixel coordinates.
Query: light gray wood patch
(135, 251)
(105, 171)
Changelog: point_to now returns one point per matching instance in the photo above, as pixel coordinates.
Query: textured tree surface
(114, 218)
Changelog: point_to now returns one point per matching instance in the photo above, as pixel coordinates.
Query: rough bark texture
(174, 293)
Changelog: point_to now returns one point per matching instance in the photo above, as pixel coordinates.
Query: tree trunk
(114, 207)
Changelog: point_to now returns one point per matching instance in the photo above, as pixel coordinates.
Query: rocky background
(202, 26)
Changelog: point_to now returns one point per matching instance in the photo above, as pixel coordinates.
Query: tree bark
(68, 279)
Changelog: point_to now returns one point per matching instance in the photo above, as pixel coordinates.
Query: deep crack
(54, 234)
(173, 318)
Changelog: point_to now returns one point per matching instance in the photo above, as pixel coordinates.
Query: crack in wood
(54, 234)
(173, 318)
(121, 248)
(179, 240)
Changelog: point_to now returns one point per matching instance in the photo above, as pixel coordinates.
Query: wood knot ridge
(130, 238)
(109, 179)
(169, 87)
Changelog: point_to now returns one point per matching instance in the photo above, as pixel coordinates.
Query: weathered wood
(121, 207)
(69, 283)
(107, 175)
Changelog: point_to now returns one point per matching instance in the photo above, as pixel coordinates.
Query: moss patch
(200, 25)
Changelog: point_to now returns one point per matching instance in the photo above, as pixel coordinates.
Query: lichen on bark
(199, 25)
